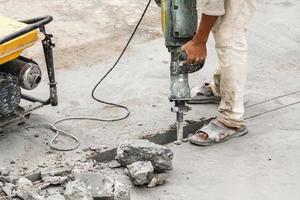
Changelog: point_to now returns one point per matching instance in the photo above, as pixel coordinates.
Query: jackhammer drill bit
(180, 108)
(179, 124)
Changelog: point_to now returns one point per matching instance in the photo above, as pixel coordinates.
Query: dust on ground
(88, 32)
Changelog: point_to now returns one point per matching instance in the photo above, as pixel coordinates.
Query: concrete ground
(261, 165)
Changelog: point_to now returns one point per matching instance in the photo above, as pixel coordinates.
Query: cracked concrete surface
(261, 165)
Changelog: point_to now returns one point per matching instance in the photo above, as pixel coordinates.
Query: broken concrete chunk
(104, 154)
(101, 186)
(25, 190)
(158, 179)
(55, 180)
(114, 164)
(5, 179)
(55, 197)
(34, 176)
(122, 192)
(144, 150)
(24, 182)
(56, 171)
(8, 189)
(4, 171)
(77, 190)
(140, 172)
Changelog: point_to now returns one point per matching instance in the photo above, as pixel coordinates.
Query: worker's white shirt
(234, 14)
(211, 7)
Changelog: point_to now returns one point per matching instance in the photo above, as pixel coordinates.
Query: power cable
(272, 110)
(58, 131)
(274, 98)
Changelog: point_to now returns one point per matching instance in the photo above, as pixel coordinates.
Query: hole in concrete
(171, 134)
(108, 155)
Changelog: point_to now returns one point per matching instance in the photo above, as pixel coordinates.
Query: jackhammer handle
(190, 68)
(158, 2)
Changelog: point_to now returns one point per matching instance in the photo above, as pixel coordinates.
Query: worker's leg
(232, 54)
(231, 45)
(215, 84)
(230, 81)
(230, 78)
(209, 92)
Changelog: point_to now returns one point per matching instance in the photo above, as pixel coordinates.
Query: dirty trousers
(231, 46)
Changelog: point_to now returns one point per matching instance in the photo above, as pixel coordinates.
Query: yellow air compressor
(18, 73)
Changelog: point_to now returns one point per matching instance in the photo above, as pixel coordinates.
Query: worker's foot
(203, 95)
(216, 132)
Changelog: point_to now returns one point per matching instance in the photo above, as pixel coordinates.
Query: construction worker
(227, 20)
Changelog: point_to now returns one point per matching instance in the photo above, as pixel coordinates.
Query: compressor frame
(23, 113)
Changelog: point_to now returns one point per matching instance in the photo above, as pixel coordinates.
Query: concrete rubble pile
(32, 185)
(97, 176)
(96, 186)
(73, 185)
(146, 162)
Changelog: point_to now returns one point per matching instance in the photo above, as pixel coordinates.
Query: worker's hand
(196, 53)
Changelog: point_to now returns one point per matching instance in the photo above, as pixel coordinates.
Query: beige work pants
(231, 45)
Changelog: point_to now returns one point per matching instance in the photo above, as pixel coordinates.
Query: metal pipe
(179, 125)
(35, 99)
(180, 109)
(48, 52)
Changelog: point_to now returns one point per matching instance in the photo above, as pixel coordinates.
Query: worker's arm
(196, 48)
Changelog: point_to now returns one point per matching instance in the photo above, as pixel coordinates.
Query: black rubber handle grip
(185, 68)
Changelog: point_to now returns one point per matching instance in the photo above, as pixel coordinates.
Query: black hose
(58, 131)
(114, 65)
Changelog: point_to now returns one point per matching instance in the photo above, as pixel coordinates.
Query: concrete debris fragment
(25, 190)
(34, 176)
(53, 180)
(24, 182)
(5, 179)
(77, 190)
(114, 164)
(8, 189)
(13, 179)
(55, 197)
(83, 160)
(121, 191)
(100, 186)
(144, 150)
(158, 179)
(104, 153)
(140, 172)
(56, 171)
(4, 171)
